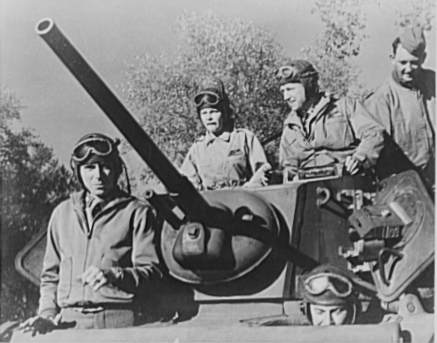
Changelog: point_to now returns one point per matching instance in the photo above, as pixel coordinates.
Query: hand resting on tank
(40, 324)
(352, 165)
(260, 178)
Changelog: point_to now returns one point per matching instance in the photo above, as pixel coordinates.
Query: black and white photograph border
(265, 170)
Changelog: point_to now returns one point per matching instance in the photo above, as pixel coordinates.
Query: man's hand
(97, 278)
(352, 165)
(39, 324)
(260, 177)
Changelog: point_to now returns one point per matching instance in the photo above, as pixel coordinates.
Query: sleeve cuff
(51, 312)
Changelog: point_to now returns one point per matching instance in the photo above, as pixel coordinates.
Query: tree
(415, 12)
(332, 52)
(32, 183)
(160, 89)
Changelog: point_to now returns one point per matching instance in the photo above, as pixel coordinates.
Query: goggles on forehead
(209, 98)
(96, 146)
(291, 73)
(337, 284)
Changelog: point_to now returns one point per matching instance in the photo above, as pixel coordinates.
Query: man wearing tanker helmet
(321, 129)
(329, 297)
(225, 156)
(405, 103)
(100, 256)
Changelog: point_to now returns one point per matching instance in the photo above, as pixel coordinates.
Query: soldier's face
(405, 64)
(294, 95)
(328, 315)
(212, 119)
(98, 178)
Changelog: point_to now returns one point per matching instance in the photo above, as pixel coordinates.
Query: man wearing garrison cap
(405, 103)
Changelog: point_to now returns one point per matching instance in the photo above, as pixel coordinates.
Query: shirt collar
(210, 137)
(91, 201)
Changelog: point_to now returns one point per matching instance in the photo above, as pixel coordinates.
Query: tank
(233, 257)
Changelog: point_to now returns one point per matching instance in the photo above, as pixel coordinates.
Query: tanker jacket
(121, 237)
(228, 160)
(408, 115)
(334, 129)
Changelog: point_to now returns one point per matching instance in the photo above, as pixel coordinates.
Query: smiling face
(98, 178)
(322, 315)
(405, 64)
(294, 95)
(213, 120)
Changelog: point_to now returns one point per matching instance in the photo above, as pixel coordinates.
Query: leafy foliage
(160, 89)
(415, 12)
(32, 183)
(332, 52)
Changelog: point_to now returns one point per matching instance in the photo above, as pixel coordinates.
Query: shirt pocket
(336, 133)
(412, 139)
(237, 167)
(65, 279)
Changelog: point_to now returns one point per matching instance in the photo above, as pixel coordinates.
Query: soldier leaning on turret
(100, 256)
(224, 156)
(321, 129)
(405, 104)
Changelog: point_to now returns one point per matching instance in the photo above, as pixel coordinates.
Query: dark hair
(395, 45)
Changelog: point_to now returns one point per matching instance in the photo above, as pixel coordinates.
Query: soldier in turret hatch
(321, 129)
(329, 297)
(224, 156)
(100, 256)
(405, 103)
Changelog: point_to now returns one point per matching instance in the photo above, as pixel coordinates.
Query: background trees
(160, 88)
(333, 50)
(32, 183)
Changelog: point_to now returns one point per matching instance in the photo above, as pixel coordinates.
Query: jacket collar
(79, 199)
(313, 113)
(293, 119)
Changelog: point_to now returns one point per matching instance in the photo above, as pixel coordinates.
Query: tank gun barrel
(190, 200)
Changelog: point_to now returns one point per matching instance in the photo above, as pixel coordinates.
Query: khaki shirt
(333, 130)
(408, 115)
(229, 160)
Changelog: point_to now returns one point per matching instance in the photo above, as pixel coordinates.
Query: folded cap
(413, 40)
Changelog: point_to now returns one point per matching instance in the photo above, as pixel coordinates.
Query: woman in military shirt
(224, 156)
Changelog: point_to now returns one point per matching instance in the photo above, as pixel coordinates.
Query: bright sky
(110, 33)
